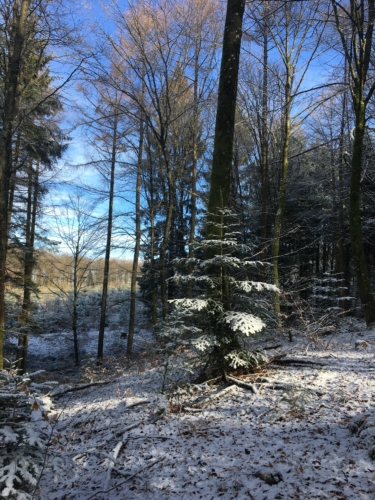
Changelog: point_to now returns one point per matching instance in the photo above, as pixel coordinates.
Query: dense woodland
(141, 110)
(199, 170)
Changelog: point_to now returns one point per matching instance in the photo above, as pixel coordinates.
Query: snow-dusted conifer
(24, 432)
(226, 308)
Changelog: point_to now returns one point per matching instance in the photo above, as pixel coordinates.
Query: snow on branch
(248, 286)
(191, 304)
(246, 323)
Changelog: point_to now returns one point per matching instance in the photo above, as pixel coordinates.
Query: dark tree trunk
(357, 48)
(75, 308)
(359, 258)
(193, 200)
(103, 308)
(220, 187)
(225, 118)
(264, 135)
(11, 88)
(283, 185)
(32, 203)
(133, 287)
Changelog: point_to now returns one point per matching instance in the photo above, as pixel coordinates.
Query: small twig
(142, 402)
(215, 396)
(268, 348)
(28, 375)
(129, 427)
(123, 482)
(53, 427)
(242, 384)
(272, 360)
(112, 462)
(78, 388)
(265, 413)
(298, 361)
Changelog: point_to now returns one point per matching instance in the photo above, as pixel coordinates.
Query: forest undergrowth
(300, 427)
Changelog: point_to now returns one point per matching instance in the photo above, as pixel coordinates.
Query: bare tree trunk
(163, 251)
(283, 184)
(225, 118)
(108, 243)
(75, 306)
(193, 199)
(11, 85)
(32, 203)
(12, 184)
(340, 251)
(357, 48)
(360, 266)
(264, 135)
(133, 287)
(220, 187)
(154, 299)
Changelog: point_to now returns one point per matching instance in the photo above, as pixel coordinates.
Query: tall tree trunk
(12, 184)
(220, 187)
(152, 208)
(163, 253)
(75, 308)
(103, 307)
(193, 199)
(264, 134)
(357, 50)
(154, 298)
(340, 250)
(361, 51)
(32, 203)
(225, 118)
(133, 287)
(169, 197)
(11, 88)
(283, 184)
(359, 258)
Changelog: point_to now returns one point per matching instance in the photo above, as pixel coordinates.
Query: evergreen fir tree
(213, 327)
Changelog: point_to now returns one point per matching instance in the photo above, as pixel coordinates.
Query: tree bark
(75, 306)
(32, 203)
(225, 118)
(193, 199)
(220, 186)
(11, 90)
(283, 184)
(357, 51)
(359, 258)
(264, 136)
(103, 308)
(133, 286)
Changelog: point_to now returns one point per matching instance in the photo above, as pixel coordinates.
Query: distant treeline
(56, 271)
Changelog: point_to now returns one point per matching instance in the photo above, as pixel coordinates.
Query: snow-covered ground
(121, 440)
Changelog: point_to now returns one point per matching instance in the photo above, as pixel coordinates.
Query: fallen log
(241, 383)
(78, 388)
(297, 361)
(211, 398)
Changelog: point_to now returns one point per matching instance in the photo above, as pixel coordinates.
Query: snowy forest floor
(307, 432)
